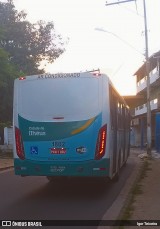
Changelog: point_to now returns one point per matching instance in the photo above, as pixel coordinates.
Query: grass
(135, 190)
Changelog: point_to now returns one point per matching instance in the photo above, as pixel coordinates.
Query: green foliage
(22, 48)
(28, 44)
(7, 74)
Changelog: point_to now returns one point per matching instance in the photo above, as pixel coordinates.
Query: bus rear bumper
(94, 168)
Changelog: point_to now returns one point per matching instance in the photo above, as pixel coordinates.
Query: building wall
(140, 130)
(8, 136)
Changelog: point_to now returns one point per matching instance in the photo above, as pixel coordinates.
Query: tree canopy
(23, 46)
(7, 74)
(27, 44)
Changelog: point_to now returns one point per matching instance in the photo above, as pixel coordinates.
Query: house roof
(134, 100)
(141, 72)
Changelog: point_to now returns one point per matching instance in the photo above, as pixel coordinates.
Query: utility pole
(148, 85)
(147, 73)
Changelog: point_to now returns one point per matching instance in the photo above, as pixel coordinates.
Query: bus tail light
(97, 74)
(101, 143)
(22, 78)
(19, 144)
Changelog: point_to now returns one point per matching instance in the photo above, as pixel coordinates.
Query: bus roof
(61, 75)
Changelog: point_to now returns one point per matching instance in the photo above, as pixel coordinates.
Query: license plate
(58, 151)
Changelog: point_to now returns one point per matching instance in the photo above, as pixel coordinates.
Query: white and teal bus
(69, 125)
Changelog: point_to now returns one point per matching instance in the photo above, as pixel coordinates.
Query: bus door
(113, 105)
(124, 131)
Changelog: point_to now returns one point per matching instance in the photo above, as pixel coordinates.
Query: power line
(118, 37)
(115, 3)
(135, 12)
(147, 73)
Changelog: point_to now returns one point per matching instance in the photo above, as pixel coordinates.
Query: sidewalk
(140, 195)
(146, 203)
(5, 164)
(6, 160)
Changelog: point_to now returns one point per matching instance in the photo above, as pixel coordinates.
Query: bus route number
(59, 144)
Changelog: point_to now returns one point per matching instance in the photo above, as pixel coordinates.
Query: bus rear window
(69, 98)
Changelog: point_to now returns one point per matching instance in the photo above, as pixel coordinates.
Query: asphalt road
(34, 198)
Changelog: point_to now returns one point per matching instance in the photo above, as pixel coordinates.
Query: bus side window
(113, 108)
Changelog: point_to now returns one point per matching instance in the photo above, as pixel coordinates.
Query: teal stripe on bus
(84, 169)
(47, 131)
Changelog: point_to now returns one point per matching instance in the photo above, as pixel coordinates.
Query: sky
(110, 38)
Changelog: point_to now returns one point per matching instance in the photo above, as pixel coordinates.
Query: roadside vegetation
(136, 189)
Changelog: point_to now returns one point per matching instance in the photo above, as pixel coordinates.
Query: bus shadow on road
(76, 188)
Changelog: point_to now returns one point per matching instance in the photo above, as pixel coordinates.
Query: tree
(7, 74)
(27, 44)
(22, 48)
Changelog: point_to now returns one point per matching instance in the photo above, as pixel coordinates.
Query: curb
(6, 168)
(6, 163)
(116, 209)
(133, 180)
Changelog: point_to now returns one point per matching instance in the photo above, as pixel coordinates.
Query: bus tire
(56, 178)
(50, 178)
(116, 177)
(125, 163)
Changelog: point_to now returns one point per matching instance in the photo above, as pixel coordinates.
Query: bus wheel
(125, 163)
(54, 178)
(116, 177)
(50, 178)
